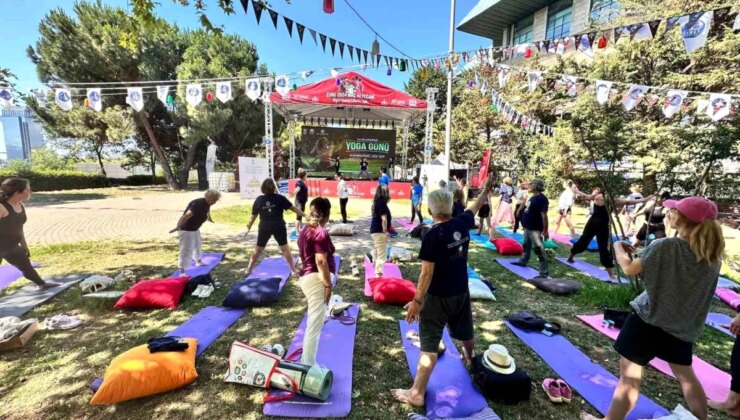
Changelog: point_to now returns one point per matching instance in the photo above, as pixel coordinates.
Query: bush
(138, 180)
(57, 180)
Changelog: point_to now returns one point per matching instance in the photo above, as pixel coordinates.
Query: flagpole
(448, 124)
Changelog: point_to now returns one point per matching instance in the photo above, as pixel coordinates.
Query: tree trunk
(153, 165)
(649, 181)
(171, 180)
(187, 164)
(99, 154)
(704, 175)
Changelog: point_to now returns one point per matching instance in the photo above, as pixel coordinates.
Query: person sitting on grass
(442, 296)
(188, 227)
(270, 207)
(680, 276)
(535, 223)
(13, 247)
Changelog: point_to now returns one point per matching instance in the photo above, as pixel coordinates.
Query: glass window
(604, 11)
(523, 30)
(558, 19)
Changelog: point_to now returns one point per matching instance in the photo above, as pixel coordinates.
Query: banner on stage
(252, 171)
(321, 147)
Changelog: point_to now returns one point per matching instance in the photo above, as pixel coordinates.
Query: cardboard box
(20, 340)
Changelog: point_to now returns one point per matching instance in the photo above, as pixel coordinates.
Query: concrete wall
(581, 12)
(540, 24)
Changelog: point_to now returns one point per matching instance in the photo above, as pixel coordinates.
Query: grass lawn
(48, 378)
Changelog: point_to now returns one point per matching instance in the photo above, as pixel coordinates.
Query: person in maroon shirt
(317, 257)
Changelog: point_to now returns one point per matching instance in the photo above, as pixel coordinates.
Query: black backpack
(419, 231)
(194, 282)
(530, 321)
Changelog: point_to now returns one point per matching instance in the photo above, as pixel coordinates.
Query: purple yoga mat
(717, 321)
(527, 273)
(450, 392)
(336, 351)
(210, 259)
(9, 274)
(726, 283)
(390, 270)
(590, 269)
(272, 267)
(207, 325)
(594, 383)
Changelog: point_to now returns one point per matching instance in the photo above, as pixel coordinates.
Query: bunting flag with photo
(253, 89)
(719, 106)
(603, 88)
(94, 100)
(164, 91)
(695, 29)
(63, 99)
(6, 98)
(571, 85)
(534, 78)
(282, 85)
(673, 101)
(193, 94)
(135, 98)
(223, 91)
(633, 97)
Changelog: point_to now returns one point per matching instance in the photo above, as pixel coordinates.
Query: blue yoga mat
(716, 321)
(594, 383)
(482, 240)
(593, 246)
(510, 234)
(210, 261)
(450, 392)
(727, 283)
(207, 325)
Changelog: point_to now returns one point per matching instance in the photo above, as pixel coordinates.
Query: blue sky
(417, 27)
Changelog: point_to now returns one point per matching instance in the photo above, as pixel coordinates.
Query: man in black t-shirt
(363, 169)
(195, 214)
(301, 198)
(442, 296)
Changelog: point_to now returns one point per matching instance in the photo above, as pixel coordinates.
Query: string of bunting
(513, 116)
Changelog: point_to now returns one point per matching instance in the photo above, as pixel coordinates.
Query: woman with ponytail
(679, 275)
(13, 246)
(317, 257)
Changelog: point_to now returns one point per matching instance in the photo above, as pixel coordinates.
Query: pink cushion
(508, 246)
(392, 291)
(157, 293)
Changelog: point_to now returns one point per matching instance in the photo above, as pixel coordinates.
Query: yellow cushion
(138, 373)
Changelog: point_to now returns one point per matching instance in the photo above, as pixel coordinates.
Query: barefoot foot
(406, 396)
(47, 285)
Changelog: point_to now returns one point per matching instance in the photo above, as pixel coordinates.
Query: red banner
(485, 162)
(356, 189)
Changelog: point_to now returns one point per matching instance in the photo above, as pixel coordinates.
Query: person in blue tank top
(416, 194)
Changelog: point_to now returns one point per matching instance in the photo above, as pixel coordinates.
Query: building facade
(513, 22)
(19, 133)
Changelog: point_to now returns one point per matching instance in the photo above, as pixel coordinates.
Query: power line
(376, 32)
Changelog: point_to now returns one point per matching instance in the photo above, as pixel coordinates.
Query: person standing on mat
(301, 198)
(521, 199)
(363, 169)
(343, 195)
(598, 225)
(317, 265)
(188, 227)
(731, 405)
(416, 193)
(462, 184)
(654, 221)
(13, 246)
(565, 208)
(457, 203)
(379, 228)
(484, 217)
(442, 296)
(535, 224)
(680, 276)
(504, 210)
(270, 207)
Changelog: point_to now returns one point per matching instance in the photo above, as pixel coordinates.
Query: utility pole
(450, 74)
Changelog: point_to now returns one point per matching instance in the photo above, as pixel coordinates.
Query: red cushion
(157, 293)
(392, 291)
(508, 246)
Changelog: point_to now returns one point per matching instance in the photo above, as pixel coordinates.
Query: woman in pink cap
(679, 275)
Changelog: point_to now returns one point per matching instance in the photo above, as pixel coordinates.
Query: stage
(356, 189)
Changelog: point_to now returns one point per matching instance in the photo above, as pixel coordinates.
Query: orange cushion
(138, 373)
(508, 246)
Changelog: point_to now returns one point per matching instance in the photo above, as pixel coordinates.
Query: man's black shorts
(277, 230)
(300, 205)
(438, 312)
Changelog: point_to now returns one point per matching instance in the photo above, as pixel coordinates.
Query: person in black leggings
(654, 220)
(731, 406)
(598, 225)
(13, 246)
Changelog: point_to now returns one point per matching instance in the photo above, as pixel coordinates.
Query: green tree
(6, 77)
(47, 159)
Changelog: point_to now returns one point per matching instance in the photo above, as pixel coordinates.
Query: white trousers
(313, 289)
(190, 245)
(380, 252)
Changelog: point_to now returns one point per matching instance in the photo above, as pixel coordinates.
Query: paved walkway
(134, 217)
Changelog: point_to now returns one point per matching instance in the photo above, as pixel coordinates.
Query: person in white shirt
(521, 199)
(565, 204)
(343, 195)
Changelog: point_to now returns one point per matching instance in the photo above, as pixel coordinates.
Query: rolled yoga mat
(728, 296)
(336, 352)
(9, 274)
(590, 269)
(527, 273)
(210, 260)
(594, 383)
(716, 321)
(390, 270)
(29, 297)
(450, 392)
(482, 240)
(715, 382)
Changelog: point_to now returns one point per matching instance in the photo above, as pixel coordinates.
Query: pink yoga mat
(728, 296)
(559, 237)
(406, 223)
(389, 270)
(716, 383)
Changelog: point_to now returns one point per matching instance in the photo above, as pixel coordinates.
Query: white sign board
(434, 174)
(252, 171)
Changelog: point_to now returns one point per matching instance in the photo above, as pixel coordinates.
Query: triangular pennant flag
(245, 4)
(193, 94)
(306, 74)
(633, 97)
(300, 29)
(364, 55)
(273, 16)
(253, 89)
(484, 88)
(571, 85)
(341, 49)
(534, 78)
(135, 98)
(289, 25)
(653, 25)
(94, 100)
(634, 29)
(617, 34)
(673, 101)
(695, 29)
(63, 99)
(164, 91)
(701, 106)
(578, 38)
(6, 97)
(591, 37)
(350, 50)
(282, 85)
(388, 62)
(546, 44)
(671, 23)
(333, 44)
(223, 91)
(736, 25)
(719, 106)
(402, 65)
(313, 35)
(257, 6)
(323, 41)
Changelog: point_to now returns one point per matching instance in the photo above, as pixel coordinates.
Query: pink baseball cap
(697, 209)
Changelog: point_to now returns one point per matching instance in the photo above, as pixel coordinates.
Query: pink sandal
(552, 389)
(565, 392)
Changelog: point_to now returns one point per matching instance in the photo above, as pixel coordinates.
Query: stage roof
(350, 96)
